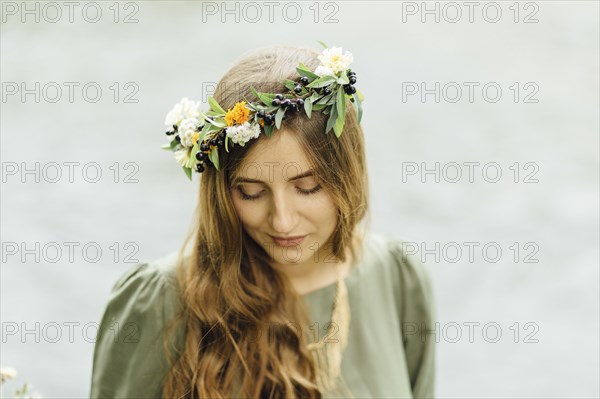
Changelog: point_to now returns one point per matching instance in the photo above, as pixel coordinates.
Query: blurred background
(505, 90)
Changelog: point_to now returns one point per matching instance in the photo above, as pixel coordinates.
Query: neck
(310, 276)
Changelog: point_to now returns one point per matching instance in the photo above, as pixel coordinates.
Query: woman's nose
(283, 215)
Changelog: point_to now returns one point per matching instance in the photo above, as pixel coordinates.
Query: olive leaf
(343, 79)
(322, 81)
(322, 43)
(214, 105)
(214, 157)
(331, 120)
(268, 130)
(266, 98)
(358, 105)
(308, 107)
(188, 172)
(304, 71)
(279, 117)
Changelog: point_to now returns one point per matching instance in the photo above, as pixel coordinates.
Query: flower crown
(197, 136)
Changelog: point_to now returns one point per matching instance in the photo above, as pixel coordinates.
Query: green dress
(389, 352)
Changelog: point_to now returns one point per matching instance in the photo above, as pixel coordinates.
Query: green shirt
(389, 352)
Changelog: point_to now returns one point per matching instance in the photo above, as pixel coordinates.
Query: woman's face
(275, 196)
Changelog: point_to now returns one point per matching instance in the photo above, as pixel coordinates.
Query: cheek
(321, 209)
(249, 212)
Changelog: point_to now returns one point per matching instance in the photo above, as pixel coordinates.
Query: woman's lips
(288, 242)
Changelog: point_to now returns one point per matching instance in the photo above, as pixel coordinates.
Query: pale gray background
(171, 51)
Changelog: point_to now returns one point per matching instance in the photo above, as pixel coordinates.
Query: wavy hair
(238, 313)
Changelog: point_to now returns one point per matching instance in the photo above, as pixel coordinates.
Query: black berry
(349, 89)
(200, 168)
(304, 80)
(276, 102)
(200, 156)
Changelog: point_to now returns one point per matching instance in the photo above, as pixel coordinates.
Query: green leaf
(358, 105)
(360, 95)
(343, 79)
(341, 103)
(214, 157)
(322, 43)
(171, 145)
(201, 137)
(308, 107)
(188, 172)
(214, 105)
(319, 107)
(266, 98)
(279, 117)
(338, 126)
(268, 130)
(324, 99)
(226, 142)
(322, 81)
(218, 123)
(331, 120)
(290, 84)
(306, 72)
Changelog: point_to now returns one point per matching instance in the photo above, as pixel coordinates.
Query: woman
(333, 311)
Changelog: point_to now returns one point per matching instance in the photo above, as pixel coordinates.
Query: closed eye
(257, 196)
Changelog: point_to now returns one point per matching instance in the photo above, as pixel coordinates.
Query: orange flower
(238, 115)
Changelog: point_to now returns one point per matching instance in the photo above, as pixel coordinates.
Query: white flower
(333, 59)
(182, 110)
(241, 134)
(7, 373)
(323, 71)
(182, 156)
(187, 131)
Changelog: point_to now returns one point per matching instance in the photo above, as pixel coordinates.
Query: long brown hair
(238, 312)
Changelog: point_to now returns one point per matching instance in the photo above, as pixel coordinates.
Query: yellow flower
(238, 115)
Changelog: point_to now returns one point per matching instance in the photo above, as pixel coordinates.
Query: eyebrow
(237, 180)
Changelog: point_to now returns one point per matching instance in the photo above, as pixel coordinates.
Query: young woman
(284, 293)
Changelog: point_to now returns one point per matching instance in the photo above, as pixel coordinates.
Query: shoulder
(410, 276)
(128, 354)
(156, 272)
(145, 286)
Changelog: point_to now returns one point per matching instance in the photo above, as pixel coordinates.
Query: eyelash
(257, 196)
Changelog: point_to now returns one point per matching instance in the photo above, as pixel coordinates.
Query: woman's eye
(248, 197)
(308, 192)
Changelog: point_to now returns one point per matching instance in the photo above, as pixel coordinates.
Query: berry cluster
(205, 147)
(349, 88)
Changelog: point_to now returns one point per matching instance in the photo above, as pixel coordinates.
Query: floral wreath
(197, 136)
